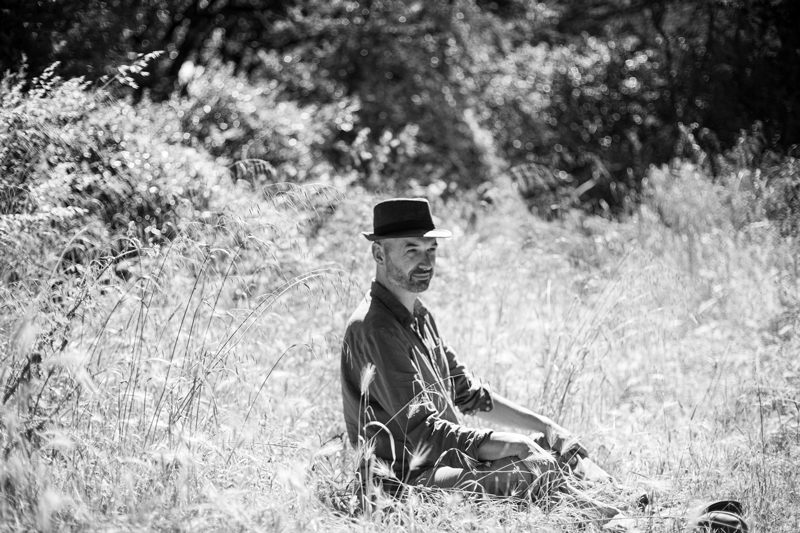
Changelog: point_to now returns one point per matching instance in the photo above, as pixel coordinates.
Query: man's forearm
(497, 447)
(508, 413)
(500, 445)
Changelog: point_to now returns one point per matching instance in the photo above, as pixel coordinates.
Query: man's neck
(407, 298)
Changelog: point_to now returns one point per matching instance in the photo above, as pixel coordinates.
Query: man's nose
(428, 261)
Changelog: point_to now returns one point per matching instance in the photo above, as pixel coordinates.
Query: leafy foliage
(231, 119)
(71, 156)
(422, 93)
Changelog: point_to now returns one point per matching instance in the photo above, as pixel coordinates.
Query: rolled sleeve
(471, 394)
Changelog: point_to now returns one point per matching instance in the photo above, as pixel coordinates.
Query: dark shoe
(726, 506)
(717, 522)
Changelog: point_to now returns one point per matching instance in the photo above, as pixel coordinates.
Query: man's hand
(501, 445)
(566, 445)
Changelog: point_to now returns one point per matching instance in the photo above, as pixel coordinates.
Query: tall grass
(200, 390)
(649, 343)
(204, 392)
(188, 363)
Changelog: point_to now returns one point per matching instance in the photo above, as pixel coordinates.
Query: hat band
(397, 227)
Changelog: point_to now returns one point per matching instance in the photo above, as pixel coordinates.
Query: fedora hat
(403, 217)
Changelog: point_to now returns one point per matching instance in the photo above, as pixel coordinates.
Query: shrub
(74, 159)
(592, 110)
(777, 184)
(233, 119)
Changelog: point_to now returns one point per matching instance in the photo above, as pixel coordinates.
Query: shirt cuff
(481, 401)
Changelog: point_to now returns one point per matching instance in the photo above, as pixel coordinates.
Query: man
(402, 383)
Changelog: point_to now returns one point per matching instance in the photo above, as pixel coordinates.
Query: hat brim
(434, 233)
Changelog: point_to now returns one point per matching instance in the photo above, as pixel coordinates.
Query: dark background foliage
(458, 92)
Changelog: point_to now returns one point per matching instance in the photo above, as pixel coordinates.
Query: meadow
(199, 391)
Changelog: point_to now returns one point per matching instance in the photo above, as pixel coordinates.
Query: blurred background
(448, 93)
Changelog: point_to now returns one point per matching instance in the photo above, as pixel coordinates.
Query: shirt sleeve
(471, 394)
(399, 389)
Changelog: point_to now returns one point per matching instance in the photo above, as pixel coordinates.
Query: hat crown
(402, 213)
(403, 217)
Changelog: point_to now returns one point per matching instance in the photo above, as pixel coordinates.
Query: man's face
(410, 262)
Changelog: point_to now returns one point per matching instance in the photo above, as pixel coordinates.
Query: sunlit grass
(203, 394)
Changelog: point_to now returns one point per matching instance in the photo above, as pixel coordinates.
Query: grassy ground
(203, 393)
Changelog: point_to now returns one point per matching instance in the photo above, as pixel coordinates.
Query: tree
(459, 91)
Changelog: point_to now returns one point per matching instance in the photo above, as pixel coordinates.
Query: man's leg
(507, 477)
(535, 479)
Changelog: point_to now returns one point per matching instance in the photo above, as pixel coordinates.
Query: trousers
(534, 478)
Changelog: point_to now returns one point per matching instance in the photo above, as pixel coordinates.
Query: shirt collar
(391, 302)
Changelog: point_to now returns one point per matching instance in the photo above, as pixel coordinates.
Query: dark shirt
(409, 405)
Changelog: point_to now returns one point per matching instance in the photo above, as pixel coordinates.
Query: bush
(777, 185)
(75, 160)
(592, 110)
(233, 119)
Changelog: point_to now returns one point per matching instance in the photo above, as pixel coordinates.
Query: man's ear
(378, 252)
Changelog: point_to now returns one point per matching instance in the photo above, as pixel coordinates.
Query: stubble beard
(406, 280)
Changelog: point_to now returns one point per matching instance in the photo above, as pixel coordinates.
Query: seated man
(401, 384)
